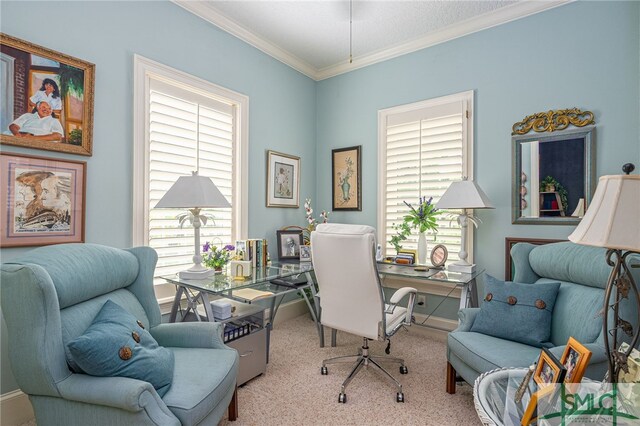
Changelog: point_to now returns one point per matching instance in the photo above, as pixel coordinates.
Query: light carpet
(293, 392)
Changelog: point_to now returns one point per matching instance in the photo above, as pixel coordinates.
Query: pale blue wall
(281, 103)
(584, 54)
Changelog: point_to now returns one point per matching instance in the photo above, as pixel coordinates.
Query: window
(422, 148)
(185, 124)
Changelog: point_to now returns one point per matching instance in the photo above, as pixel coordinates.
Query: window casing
(184, 124)
(422, 148)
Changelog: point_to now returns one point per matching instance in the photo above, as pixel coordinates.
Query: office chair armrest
(400, 293)
(190, 335)
(398, 296)
(117, 392)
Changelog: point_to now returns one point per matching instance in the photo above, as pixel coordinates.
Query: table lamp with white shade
(612, 220)
(194, 193)
(464, 194)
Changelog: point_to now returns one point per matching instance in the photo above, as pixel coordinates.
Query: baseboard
(15, 408)
(290, 310)
(435, 327)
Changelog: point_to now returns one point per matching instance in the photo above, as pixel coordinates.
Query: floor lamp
(194, 193)
(612, 221)
(465, 194)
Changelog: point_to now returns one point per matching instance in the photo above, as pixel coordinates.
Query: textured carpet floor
(292, 392)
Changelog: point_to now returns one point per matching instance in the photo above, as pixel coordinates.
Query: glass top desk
(467, 282)
(259, 286)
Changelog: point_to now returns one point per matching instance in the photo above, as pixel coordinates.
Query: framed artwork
(346, 178)
(305, 253)
(283, 180)
(42, 200)
(289, 243)
(47, 98)
(575, 359)
(548, 370)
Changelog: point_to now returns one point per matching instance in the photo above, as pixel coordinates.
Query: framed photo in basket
(549, 370)
(575, 359)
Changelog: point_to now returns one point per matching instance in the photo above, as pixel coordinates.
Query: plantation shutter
(188, 131)
(424, 154)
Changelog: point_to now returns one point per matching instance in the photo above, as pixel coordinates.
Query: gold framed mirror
(553, 167)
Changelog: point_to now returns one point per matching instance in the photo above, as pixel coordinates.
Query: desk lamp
(194, 193)
(465, 194)
(612, 221)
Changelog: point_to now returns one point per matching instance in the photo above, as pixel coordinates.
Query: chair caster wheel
(342, 398)
(404, 369)
(324, 371)
(400, 397)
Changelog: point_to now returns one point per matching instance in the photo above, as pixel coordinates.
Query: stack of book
(253, 250)
(221, 309)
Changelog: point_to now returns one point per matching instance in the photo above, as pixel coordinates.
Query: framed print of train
(46, 98)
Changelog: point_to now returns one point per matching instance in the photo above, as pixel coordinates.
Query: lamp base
(196, 275)
(464, 268)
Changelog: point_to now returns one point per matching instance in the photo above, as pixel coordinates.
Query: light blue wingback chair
(51, 295)
(583, 274)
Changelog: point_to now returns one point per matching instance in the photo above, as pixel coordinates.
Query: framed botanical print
(283, 180)
(47, 98)
(42, 200)
(346, 179)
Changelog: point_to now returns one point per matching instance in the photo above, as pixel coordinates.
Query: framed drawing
(346, 178)
(47, 98)
(289, 243)
(283, 180)
(42, 200)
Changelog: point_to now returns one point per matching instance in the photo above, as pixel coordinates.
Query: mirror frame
(548, 127)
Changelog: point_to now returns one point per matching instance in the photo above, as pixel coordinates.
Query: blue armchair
(51, 295)
(583, 273)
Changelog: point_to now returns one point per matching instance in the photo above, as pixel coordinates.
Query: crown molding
(207, 12)
(488, 20)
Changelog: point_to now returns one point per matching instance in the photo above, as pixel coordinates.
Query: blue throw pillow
(517, 312)
(116, 344)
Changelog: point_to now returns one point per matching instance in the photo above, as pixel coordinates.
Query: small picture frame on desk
(289, 243)
(305, 253)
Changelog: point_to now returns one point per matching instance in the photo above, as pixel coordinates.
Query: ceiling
(313, 36)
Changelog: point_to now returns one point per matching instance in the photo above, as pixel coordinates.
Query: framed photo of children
(575, 359)
(47, 98)
(42, 200)
(346, 178)
(549, 370)
(283, 180)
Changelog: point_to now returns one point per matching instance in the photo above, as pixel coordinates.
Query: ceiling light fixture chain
(350, 31)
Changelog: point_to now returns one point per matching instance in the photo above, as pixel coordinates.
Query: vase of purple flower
(215, 258)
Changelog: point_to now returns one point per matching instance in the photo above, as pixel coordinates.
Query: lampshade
(612, 219)
(193, 192)
(465, 194)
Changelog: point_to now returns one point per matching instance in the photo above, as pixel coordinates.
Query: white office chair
(351, 297)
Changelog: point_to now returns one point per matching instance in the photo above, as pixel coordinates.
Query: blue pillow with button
(517, 312)
(116, 344)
